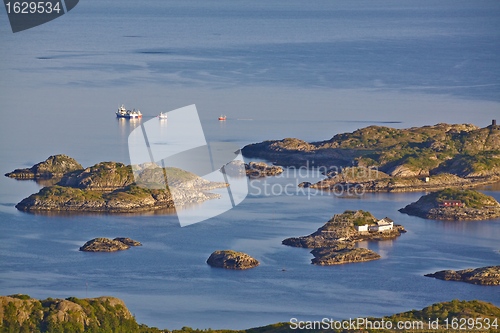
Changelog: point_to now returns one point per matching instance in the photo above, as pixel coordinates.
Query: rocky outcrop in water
(452, 204)
(334, 243)
(330, 256)
(412, 159)
(104, 176)
(109, 245)
(68, 199)
(230, 259)
(261, 169)
(486, 276)
(252, 169)
(53, 167)
(110, 187)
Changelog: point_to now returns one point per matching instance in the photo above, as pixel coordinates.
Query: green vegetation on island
(23, 314)
(454, 204)
(392, 159)
(54, 166)
(334, 243)
(112, 187)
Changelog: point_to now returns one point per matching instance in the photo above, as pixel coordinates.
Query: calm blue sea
(276, 69)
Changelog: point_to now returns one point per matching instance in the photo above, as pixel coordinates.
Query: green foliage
(100, 317)
(470, 198)
(452, 309)
(106, 318)
(424, 148)
(20, 296)
(58, 193)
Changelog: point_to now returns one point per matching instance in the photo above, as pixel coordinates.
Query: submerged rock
(230, 259)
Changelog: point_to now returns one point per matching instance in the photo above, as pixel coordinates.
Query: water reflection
(66, 214)
(490, 187)
(125, 126)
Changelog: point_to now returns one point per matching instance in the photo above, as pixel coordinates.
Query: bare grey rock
(108, 245)
(230, 259)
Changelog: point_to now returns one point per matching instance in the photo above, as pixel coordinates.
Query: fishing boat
(162, 115)
(222, 117)
(128, 114)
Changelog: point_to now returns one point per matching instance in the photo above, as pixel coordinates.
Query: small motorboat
(222, 117)
(162, 115)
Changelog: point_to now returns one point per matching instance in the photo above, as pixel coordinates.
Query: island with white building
(334, 243)
(385, 224)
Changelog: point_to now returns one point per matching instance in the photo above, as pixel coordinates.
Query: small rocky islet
(334, 243)
(454, 204)
(111, 187)
(486, 276)
(230, 259)
(252, 169)
(52, 167)
(102, 244)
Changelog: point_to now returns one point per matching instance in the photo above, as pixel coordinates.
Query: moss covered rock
(52, 167)
(467, 205)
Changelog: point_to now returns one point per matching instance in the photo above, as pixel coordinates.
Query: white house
(362, 228)
(384, 224)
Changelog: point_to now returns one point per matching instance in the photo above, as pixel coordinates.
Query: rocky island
(252, 169)
(453, 204)
(230, 259)
(384, 159)
(486, 276)
(53, 167)
(261, 169)
(111, 187)
(334, 243)
(109, 245)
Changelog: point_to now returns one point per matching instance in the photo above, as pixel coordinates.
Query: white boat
(124, 113)
(162, 115)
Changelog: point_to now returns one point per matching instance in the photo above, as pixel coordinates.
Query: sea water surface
(276, 69)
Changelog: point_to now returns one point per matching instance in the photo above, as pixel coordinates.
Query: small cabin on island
(385, 224)
(452, 203)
